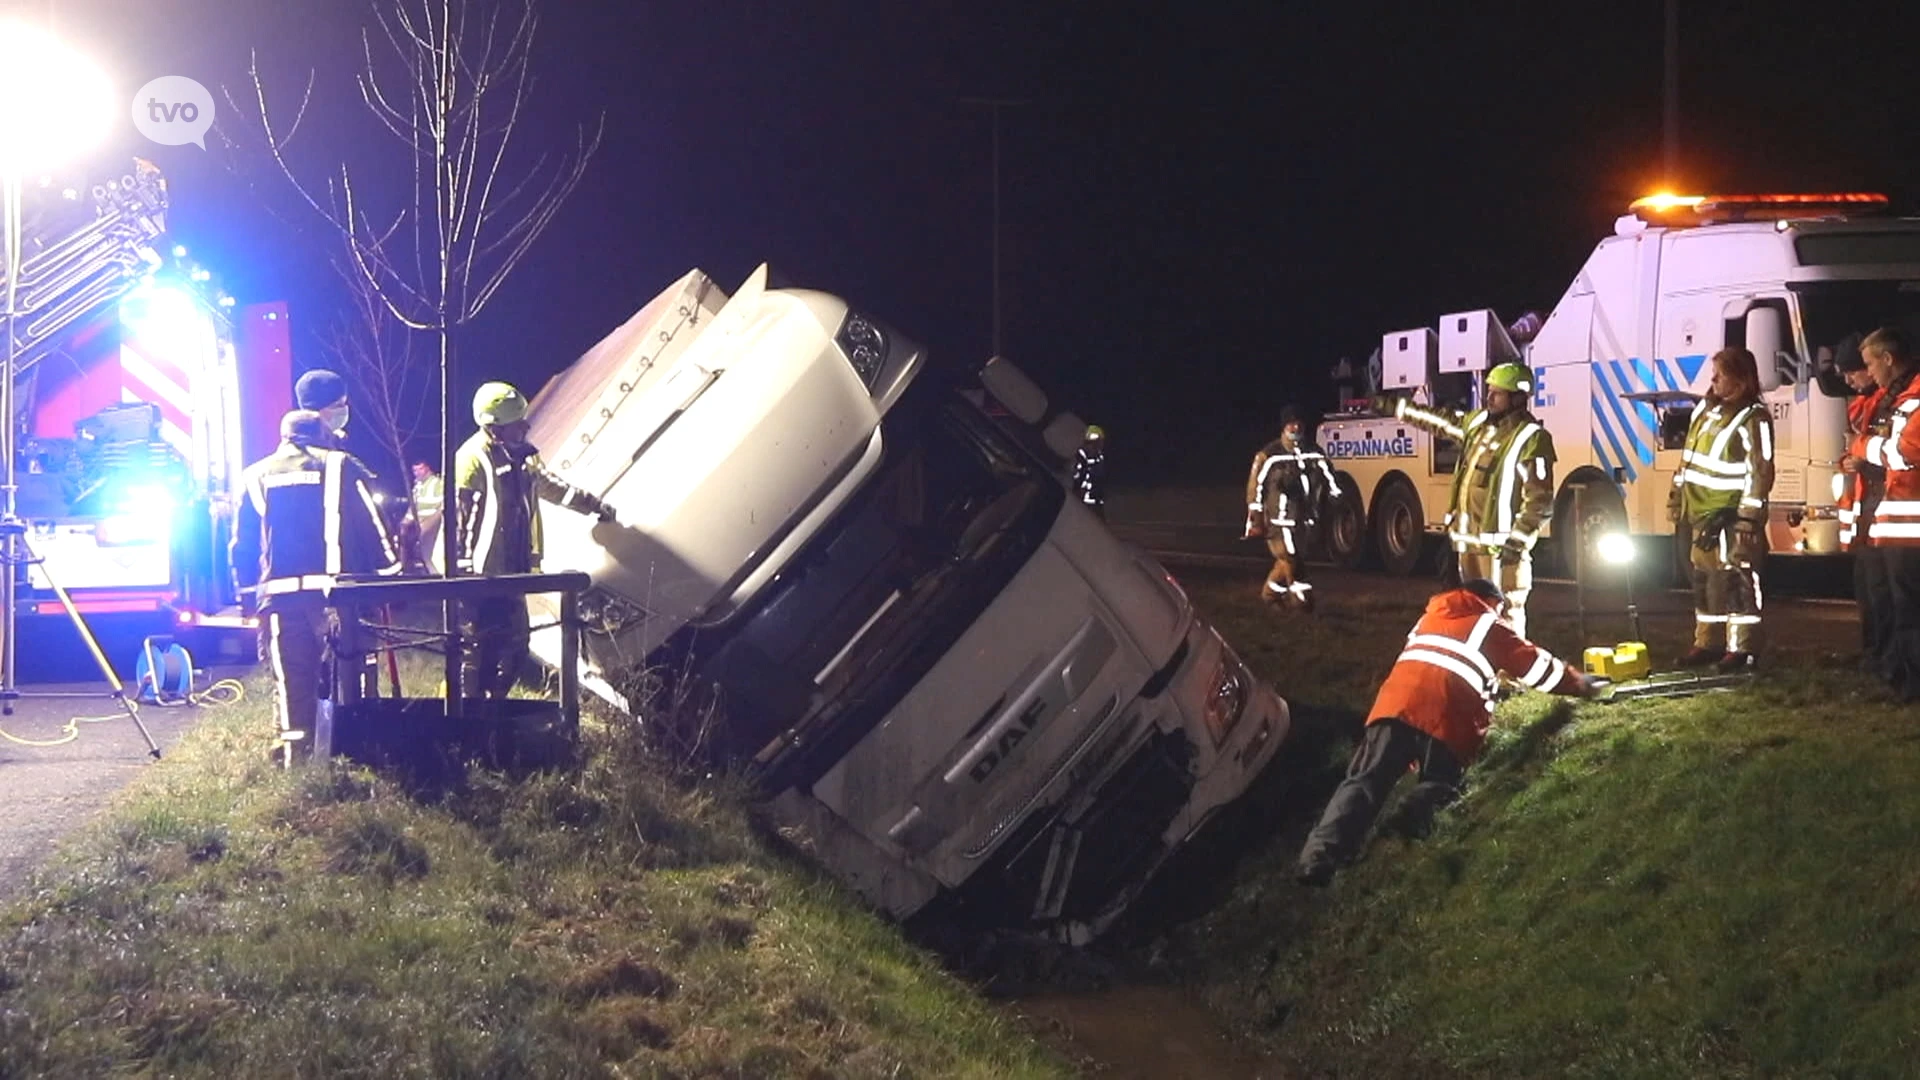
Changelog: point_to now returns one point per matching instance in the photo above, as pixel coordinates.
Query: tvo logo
(173, 110)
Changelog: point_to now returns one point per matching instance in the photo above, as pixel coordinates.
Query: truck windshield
(955, 509)
(1837, 314)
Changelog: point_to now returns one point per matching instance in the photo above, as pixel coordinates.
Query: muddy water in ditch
(1143, 1033)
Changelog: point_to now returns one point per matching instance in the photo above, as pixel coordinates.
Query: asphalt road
(49, 791)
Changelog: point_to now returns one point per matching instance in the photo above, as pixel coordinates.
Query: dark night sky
(1204, 205)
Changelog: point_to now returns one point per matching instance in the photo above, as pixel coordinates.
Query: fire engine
(133, 424)
(1798, 279)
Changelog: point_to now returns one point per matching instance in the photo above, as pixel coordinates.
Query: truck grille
(1121, 833)
(1120, 836)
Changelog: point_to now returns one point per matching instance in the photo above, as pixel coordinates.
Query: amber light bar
(1703, 209)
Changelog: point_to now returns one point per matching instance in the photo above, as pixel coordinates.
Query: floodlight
(54, 104)
(1615, 548)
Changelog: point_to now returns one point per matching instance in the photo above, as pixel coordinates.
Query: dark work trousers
(297, 644)
(1387, 750)
(497, 633)
(1876, 614)
(1903, 641)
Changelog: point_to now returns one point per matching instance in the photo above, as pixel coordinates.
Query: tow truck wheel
(1399, 528)
(1602, 511)
(1346, 530)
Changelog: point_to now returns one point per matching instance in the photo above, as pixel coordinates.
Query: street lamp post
(53, 105)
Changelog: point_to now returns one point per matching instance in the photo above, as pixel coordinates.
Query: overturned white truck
(946, 678)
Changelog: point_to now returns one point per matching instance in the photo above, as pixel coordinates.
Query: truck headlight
(865, 343)
(1226, 697)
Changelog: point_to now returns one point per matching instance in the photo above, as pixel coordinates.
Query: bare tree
(449, 81)
(378, 353)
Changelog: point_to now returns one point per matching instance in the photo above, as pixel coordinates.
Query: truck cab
(941, 673)
(1623, 357)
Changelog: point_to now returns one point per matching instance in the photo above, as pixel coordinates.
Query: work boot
(1736, 662)
(1701, 656)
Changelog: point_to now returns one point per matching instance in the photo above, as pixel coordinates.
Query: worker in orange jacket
(1893, 522)
(1856, 494)
(1432, 714)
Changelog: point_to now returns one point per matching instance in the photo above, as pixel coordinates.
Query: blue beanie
(318, 389)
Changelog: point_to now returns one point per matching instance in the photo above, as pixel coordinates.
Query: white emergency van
(1797, 279)
(945, 676)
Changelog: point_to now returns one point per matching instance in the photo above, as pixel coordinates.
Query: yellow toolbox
(1627, 660)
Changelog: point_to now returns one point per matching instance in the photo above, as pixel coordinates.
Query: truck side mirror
(1017, 393)
(1065, 435)
(1765, 336)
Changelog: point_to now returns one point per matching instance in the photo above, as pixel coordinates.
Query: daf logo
(1009, 738)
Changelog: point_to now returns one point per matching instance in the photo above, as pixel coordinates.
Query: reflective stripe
(331, 462)
(1442, 660)
(1478, 634)
(295, 478)
(1448, 645)
(1509, 472)
(1539, 668)
(1407, 410)
(282, 585)
(1701, 616)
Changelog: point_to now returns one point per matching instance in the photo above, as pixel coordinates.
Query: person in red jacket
(1892, 521)
(1860, 493)
(1432, 714)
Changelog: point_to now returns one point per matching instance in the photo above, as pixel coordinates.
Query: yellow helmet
(1513, 378)
(1095, 431)
(498, 403)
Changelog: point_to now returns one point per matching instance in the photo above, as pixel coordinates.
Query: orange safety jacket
(1854, 488)
(1446, 676)
(1896, 521)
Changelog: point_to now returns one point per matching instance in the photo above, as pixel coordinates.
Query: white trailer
(1797, 279)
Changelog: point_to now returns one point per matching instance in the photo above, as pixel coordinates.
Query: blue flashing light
(179, 251)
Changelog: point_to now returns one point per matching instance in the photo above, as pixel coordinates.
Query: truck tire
(1574, 540)
(1399, 528)
(1346, 529)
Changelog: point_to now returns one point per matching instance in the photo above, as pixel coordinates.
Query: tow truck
(1798, 279)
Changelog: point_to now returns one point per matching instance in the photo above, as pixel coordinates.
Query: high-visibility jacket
(1727, 463)
(1090, 476)
(499, 486)
(1853, 495)
(1446, 676)
(1289, 487)
(308, 513)
(1503, 485)
(1896, 521)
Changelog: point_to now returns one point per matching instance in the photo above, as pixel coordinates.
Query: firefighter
(1892, 457)
(1090, 470)
(1863, 488)
(1287, 491)
(498, 482)
(1431, 715)
(325, 392)
(308, 514)
(1720, 492)
(1502, 493)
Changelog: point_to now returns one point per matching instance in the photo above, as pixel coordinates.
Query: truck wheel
(1346, 530)
(1399, 528)
(1575, 542)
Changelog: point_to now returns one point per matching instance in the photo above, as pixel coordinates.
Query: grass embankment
(1725, 885)
(230, 919)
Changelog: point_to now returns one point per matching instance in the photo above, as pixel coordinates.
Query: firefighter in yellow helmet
(1090, 470)
(498, 482)
(1502, 491)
